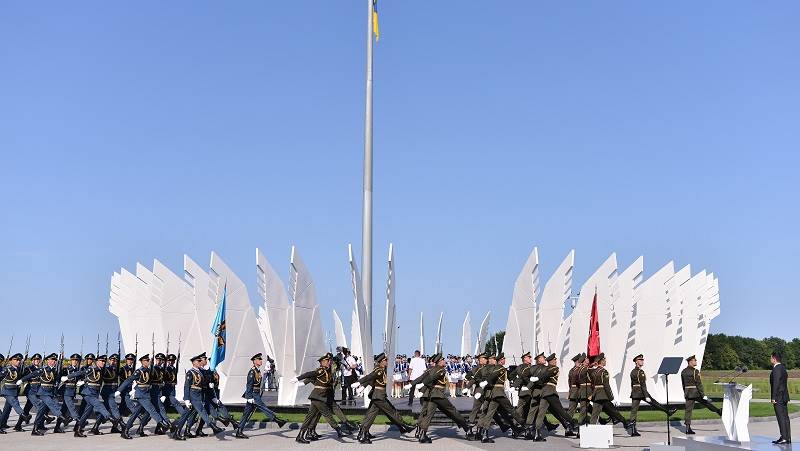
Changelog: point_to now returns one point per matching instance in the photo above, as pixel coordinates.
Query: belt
(439, 386)
(70, 385)
(47, 385)
(499, 385)
(635, 385)
(321, 387)
(584, 385)
(93, 385)
(690, 386)
(551, 383)
(379, 388)
(196, 388)
(143, 386)
(107, 384)
(34, 383)
(10, 385)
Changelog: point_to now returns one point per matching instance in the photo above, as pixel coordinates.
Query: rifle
(81, 346)
(136, 350)
(98, 346)
(119, 349)
(106, 344)
(9, 347)
(153, 349)
(60, 363)
(178, 357)
(167, 343)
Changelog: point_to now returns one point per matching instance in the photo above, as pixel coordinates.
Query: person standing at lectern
(693, 392)
(780, 398)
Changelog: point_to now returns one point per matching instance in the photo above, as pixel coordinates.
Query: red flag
(594, 331)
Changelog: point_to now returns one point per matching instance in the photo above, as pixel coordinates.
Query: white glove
(63, 378)
(211, 385)
(251, 401)
(705, 398)
(188, 404)
(534, 378)
(616, 403)
(419, 386)
(523, 389)
(407, 387)
(359, 391)
(355, 384)
(162, 398)
(465, 392)
(215, 401)
(483, 384)
(478, 395)
(80, 383)
(133, 395)
(19, 382)
(293, 380)
(117, 394)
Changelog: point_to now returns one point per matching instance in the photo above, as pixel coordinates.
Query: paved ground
(271, 437)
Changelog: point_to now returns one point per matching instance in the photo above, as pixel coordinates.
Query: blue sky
(148, 130)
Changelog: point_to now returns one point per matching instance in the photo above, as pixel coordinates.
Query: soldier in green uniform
(497, 375)
(584, 390)
(574, 385)
(436, 381)
(639, 393)
(425, 390)
(471, 380)
(520, 379)
(602, 398)
(378, 402)
(693, 392)
(535, 384)
(551, 402)
(321, 397)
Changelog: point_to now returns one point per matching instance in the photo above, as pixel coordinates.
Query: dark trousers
(446, 407)
(322, 408)
(782, 414)
(11, 401)
(498, 404)
(609, 409)
(690, 408)
(553, 404)
(378, 406)
(47, 403)
(635, 407)
(347, 390)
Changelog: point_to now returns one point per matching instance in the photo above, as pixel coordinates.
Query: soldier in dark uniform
(91, 394)
(321, 398)
(436, 380)
(168, 390)
(193, 388)
(551, 402)
(68, 389)
(693, 392)
(378, 402)
(639, 393)
(424, 390)
(47, 393)
(211, 403)
(535, 385)
(471, 380)
(495, 383)
(142, 377)
(574, 385)
(10, 390)
(125, 372)
(584, 390)
(519, 379)
(602, 397)
(31, 390)
(110, 374)
(253, 390)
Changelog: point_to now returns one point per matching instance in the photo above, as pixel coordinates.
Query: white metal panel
(466, 336)
(483, 333)
(439, 334)
(550, 314)
(364, 339)
(274, 319)
(621, 314)
(338, 327)
(390, 326)
(521, 324)
(421, 335)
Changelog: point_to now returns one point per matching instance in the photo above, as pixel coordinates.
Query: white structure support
(421, 334)
(521, 324)
(362, 317)
(390, 326)
(274, 313)
(483, 333)
(439, 334)
(466, 336)
(550, 315)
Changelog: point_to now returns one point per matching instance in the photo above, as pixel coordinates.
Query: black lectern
(670, 365)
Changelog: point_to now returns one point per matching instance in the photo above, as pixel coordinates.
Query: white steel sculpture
(550, 315)
(466, 336)
(274, 311)
(521, 325)
(338, 328)
(483, 332)
(439, 334)
(390, 326)
(421, 335)
(624, 296)
(361, 315)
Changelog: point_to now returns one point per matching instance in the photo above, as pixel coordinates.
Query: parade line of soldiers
(108, 389)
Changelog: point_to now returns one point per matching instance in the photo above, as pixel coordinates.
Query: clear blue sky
(148, 130)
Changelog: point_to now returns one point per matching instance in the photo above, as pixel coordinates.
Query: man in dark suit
(780, 397)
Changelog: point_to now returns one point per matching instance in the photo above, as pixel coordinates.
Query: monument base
(721, 443)
(661, 446)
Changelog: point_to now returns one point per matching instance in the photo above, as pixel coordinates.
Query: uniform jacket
(777, 384)
(601, 390)
(550, 381)
(255, 384)
(638, 384)
(436, 382)
(521, 378)
(10, 387)
(692, 385)
(572, 380)
(496, 375)
(193, 383)
(584, 383)
(47, 379)
(377, 380)
(322, 378)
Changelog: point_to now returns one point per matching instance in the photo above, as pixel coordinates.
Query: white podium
(736, 410)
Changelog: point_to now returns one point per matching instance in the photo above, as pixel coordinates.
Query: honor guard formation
(136, 392)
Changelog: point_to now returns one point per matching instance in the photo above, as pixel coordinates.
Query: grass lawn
(759, 379)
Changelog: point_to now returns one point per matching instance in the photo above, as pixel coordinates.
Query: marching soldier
(584, 390)
(156, 387)
(47, 393)
(520, 378)
(68, 389)
(170, 379)
(110, 375)
(550, 400)
(142, 377)
(193, 390)
(497, 375)
(253, 391)
(602, 396)
(379, 404)
(125, 372)
(436, 380)
(321, 398)
(639, 393)
(693, 392)
(10, 390)
(472, 379)
(572, 379)
(31, 391)
(91, 394)
(535, 384)
(216, 408)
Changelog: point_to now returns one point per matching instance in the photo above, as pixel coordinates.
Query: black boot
(36, 430)
(311, 435)
(689, 430)
(301, 437)
(364, 437)
(48, 419)
(234, 423)
(96, 428)
(177, 434)
(58, 429)
(124, 434)
(216, 429)
(571, 431)
(187, 433)
(470, 434)
(279, 421)
(486, 437)
(78, 430)
(530, 433)
(199, 431)
(240, 434)
(405, 429)
(340, 432)
(540, 435)
(158, 430)
(141, 432)
(423, 437)
(550, 426)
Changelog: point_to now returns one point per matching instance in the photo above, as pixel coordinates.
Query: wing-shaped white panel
(466, 336)
(390, 329)
(709, 310)
(439, 334)
(360, 309)
(625, 295)
(274, 321)
(338, 327)
(483, 333)
(550, 313)
(421, 334)
(521, 324)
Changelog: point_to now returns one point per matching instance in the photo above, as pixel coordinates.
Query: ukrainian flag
(218, 330)
(375, 28)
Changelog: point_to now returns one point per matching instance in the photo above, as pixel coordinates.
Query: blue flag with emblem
(218, 330)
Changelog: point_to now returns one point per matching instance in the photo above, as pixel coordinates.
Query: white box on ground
(661, 446)
(597, 436)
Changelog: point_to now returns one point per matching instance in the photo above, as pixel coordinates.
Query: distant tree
(490, 343)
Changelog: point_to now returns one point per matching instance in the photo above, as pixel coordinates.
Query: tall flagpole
(366, 229)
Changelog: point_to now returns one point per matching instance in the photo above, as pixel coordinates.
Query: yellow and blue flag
(375, 28)
(218, 330)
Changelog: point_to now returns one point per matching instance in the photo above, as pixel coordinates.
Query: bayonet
(167, 343)
(153, 349)
(106, 344)
(9, 346)
(98, 345)
(81, 346)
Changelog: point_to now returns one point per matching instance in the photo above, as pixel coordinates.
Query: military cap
(578, 358)
(638, 357)
(16, 356)
(551, 357)
(327, 356)
(491, 357)
(171, 358)
(36, 356)
(500, 356)
(690, 358)
(144, 357)
(198, 357)
(541, 354)
(161, 356)
(114, 356)
(256, 357)
(2, 357)
(482, 354)
(380, 357)
(75, 357)
(599, 357)
(203, 356)
(101, 358)
(527, 354)
(52, 356)
(130, 356)
(437, 358)
(89, 356)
